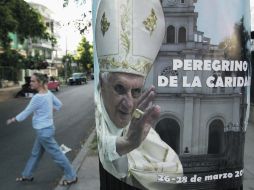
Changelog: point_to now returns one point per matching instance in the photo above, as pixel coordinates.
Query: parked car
(77, 78)
(53, 84)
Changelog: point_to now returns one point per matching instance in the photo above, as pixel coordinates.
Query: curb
(78, 161)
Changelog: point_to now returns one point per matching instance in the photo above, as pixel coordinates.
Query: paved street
(73, 124)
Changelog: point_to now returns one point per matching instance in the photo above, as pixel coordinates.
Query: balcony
(38, 43)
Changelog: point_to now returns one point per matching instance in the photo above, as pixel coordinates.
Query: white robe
(152, 158)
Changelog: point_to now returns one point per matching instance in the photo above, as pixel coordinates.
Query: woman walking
(42, 106)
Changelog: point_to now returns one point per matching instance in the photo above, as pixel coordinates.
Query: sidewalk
(88, 174)
(87, 166)
(88, 169)
(8, 93)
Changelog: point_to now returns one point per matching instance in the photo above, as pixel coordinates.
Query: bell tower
(181, 21)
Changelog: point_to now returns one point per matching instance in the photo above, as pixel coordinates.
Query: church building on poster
(203, 125)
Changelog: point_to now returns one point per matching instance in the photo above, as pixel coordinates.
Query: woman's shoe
(66, 182)
(23, 179)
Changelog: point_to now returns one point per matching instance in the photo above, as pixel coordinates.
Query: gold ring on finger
(137, 113)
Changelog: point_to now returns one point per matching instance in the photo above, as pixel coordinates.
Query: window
(182, 35)
(171, 34)
(182, 1)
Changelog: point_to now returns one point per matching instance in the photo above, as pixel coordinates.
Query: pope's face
(120, 95)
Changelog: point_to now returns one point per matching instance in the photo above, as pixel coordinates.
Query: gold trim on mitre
(104, 24)
(125, 27)
(139, 66)
(151, 22)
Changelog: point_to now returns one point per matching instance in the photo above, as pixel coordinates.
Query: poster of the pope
(172, 83)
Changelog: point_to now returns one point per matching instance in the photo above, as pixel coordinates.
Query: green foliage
(53, 41)
(85, 55)
(11, 58)
(81, 24)
(19, 17)
(14, 59)
(80, 2)
(35, 62)
(236, 46)
(67, 60)
(65, 3)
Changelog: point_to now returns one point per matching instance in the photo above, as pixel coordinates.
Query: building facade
(43, 47)
(204, 126)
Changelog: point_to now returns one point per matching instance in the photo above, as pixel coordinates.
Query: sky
(69, 35)
(217, 18)
(209, 12)
(252, 13)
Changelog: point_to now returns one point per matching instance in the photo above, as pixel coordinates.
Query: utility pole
(66, 61)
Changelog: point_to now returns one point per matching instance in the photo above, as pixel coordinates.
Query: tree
(236, 46)
(13, 58)
(67, 60)
(35, 62)
(81, 24)
(85, 55)
(18, 17)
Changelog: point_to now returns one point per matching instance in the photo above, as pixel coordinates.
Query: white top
(41, 105)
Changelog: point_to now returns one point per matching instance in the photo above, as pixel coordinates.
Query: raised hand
(139, 126)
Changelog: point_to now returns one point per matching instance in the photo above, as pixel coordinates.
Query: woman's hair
(42, 78)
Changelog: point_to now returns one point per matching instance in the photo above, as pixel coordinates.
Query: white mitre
(129, 34)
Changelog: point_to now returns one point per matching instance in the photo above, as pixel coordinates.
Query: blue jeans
(45, 142)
